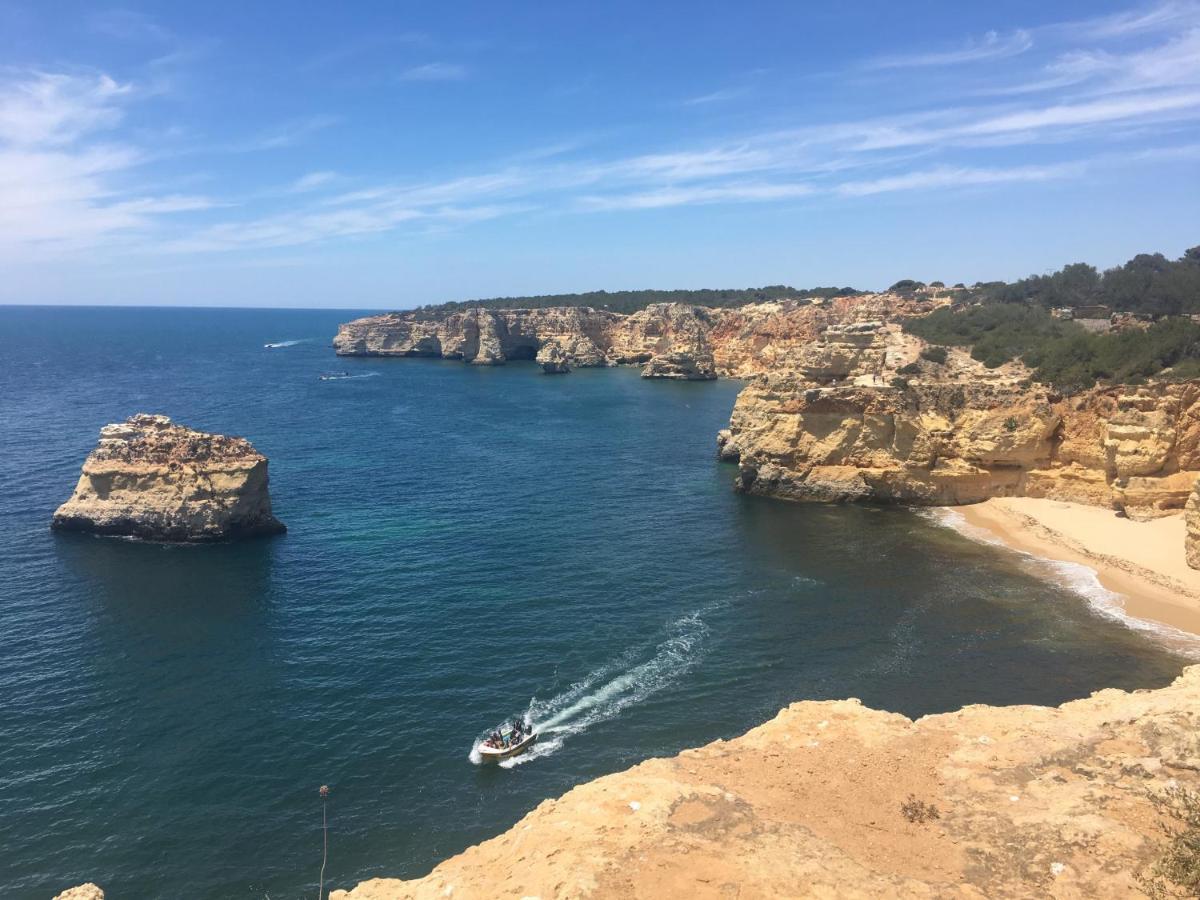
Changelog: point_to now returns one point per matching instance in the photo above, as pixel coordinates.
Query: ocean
(465, 545)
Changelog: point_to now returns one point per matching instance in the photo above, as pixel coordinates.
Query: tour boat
(495, 754)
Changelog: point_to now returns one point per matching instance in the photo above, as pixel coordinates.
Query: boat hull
(492, 754)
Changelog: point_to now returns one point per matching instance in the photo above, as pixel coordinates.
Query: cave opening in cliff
(522, 352)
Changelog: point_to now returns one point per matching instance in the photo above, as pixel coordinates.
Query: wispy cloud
(947, 177)
(72, 164)
(435, 71)
(716, 97)
(1139, 20)
(127, 25)
(992, 46)
(287, 134)
(311, 181)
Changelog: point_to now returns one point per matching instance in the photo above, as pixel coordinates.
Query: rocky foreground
(152, 479)
(833, 799)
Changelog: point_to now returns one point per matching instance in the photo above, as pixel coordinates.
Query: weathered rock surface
(87, 891)
(483, 336)
(1030, 801)
(672, 340)
(937, 442)
(553, 358)
(150, 478)
(1192, 518)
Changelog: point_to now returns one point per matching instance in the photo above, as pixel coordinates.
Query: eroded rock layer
(833, 799)
(150, 478)
(670, 340)
(1134, 449)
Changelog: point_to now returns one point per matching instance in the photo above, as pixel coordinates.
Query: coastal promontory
(153, 479)
(834, 799)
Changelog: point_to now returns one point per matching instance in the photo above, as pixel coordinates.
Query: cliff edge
(836, 799)
(150, 478)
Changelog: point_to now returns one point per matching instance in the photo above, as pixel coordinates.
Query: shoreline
(1142, 563)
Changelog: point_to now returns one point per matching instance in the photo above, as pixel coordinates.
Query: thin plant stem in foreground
(324, 792)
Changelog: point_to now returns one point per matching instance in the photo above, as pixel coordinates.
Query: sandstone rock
(553, 358)
(681, 365)
(949, 443)
(741, 341)
(1030, 802)
(1192, 517)
(87, 891)
(150, 478)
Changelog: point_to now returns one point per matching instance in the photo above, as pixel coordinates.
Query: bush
(934, 355)
(899, 383)
(1060, 352)
(918, 811)
(910, 369)
(1176, 872)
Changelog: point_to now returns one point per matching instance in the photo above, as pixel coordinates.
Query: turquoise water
(465, 544)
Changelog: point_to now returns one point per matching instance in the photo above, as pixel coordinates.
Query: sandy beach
(1142, 561)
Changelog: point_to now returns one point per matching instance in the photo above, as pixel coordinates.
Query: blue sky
(384, 155)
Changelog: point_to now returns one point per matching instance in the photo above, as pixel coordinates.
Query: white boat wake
(280, 344)
(615, 686)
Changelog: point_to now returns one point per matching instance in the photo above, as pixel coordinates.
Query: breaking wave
(1079, 579)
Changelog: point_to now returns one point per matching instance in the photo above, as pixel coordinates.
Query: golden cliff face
(671, 340)
(1029, 801)
(1131, 449)
(150, 478)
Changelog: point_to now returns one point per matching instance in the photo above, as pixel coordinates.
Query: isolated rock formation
(833, 799)
(935, 442)
(553, 358)
(87, 891)
(150, 478)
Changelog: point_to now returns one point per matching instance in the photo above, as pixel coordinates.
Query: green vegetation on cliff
(1060, 352)
(1149, 283)
(632, 301)
(1002, 322)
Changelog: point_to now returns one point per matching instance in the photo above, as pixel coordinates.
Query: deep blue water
(462, 541)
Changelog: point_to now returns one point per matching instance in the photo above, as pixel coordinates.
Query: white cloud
(127, 25)
(716, 97)
(699, 194)
(993, 46)
(435, 71)
(312, 181)
(45, 108)
(1165, 16)
(948, 177)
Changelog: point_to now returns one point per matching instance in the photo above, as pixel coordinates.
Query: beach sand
(1142, 561)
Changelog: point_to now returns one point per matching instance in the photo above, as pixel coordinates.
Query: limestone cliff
(943, 442)
(670, 340)
(833, 799)
(1192, 518)
(150, 478)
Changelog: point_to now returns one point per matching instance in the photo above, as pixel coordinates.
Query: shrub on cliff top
(1176, 872)
(1060, 352)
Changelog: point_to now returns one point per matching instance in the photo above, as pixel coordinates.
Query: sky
(386, 155)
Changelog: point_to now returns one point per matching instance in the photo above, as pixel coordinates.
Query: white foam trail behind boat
(278, 344)
(615, 686)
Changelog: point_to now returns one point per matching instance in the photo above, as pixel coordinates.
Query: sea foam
(1078, 578)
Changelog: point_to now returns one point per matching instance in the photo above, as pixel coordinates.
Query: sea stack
(152, 479)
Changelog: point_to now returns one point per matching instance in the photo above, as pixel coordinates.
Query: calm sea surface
(465, 544)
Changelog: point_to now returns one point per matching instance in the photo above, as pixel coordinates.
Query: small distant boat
(510, 743)
(333, 376)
